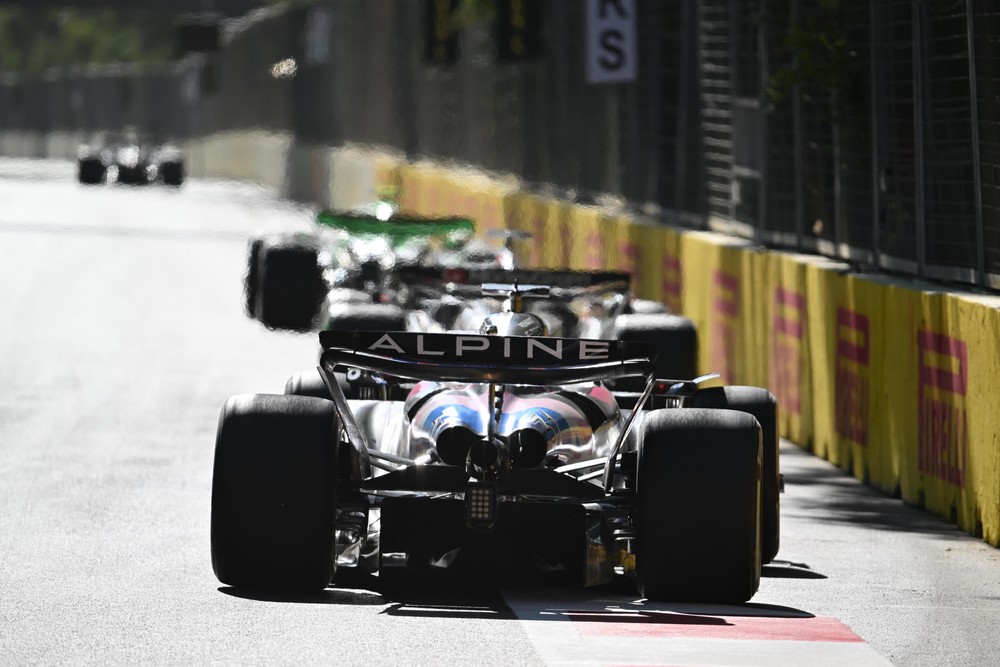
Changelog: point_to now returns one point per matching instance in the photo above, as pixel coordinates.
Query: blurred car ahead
(351, 260)
(131, 159)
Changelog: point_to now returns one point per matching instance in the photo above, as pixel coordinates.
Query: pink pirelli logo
(852, 392)
(943, 422)
(726, 310)
(631, 260)
(595, 251)
(565, 234)
(672, 282)
(538, 224)
(788, 327)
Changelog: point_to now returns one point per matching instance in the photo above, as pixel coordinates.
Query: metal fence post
(919, 55)
(873, 85)
(800, 210)
(976, 164)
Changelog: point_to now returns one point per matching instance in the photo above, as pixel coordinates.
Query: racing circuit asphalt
(122, 335)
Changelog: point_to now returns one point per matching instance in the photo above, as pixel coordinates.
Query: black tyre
(309, 383)
(172, 173)
(675, 336)
(697, 511)
(291, 287)
(90, 171)
(366, 317)
(251, 281)
(761, 404)
(274, 493)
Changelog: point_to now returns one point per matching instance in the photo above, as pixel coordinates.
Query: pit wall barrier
(894, 381)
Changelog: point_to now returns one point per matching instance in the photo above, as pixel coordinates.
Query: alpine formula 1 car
(567, 303)
(493, 455)
(130, 159)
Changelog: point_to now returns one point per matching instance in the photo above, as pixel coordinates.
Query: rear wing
(397, 227)
(451, 357)
(556, 278)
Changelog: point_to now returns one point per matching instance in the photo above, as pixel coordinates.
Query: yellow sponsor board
(647, 282)
(475, 195)
(525, 213)
(781, 339)
(554, 232)
(845, 314)
(908, 314)
(414, 189)
(636, 247)
(718, 297)
(974, 458)
(669, 271)
(388, 178)
(489, 207)
(952, 353)
(587, 246)
(621, 238)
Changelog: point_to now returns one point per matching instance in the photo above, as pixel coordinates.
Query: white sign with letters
(612, 51)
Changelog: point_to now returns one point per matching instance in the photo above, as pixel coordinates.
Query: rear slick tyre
(697, 506)
(761, 404)
(290, 287)
(675, 337)
(274, 493)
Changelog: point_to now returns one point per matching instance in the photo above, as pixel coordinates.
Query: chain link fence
(867, 130)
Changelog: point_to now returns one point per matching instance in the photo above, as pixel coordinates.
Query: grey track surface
(122, 336)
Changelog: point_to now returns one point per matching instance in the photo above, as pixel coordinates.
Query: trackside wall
(891, 380)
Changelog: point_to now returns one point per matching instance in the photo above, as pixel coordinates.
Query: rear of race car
(643, 493)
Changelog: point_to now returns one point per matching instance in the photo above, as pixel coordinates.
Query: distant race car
(494, 455)
(295, 281)
(131, 159)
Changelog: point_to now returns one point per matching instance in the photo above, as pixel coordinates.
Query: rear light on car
(480, 505)
(460, 276)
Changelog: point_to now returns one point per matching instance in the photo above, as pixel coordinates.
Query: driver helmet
(513, 324)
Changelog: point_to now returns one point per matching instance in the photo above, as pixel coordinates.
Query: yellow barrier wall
(975, 321)
(846, 362)
(781, 300)
(553, 236)
(717, 283)
(588, 250)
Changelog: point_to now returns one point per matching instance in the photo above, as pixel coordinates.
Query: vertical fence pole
(919, 54)
(800, 210)
(690, 70)
(763, 222)
(977, 175)
(873, 87)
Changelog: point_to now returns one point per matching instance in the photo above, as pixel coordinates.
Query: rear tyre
(274, 493)
(309, 383)
(290, 288)
(761, 404)
(173, 174)
(251, 280)
(676, 338)
(697, 507)
(90, 171)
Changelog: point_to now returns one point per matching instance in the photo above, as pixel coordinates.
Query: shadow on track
(833, 495)
(338, 596)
